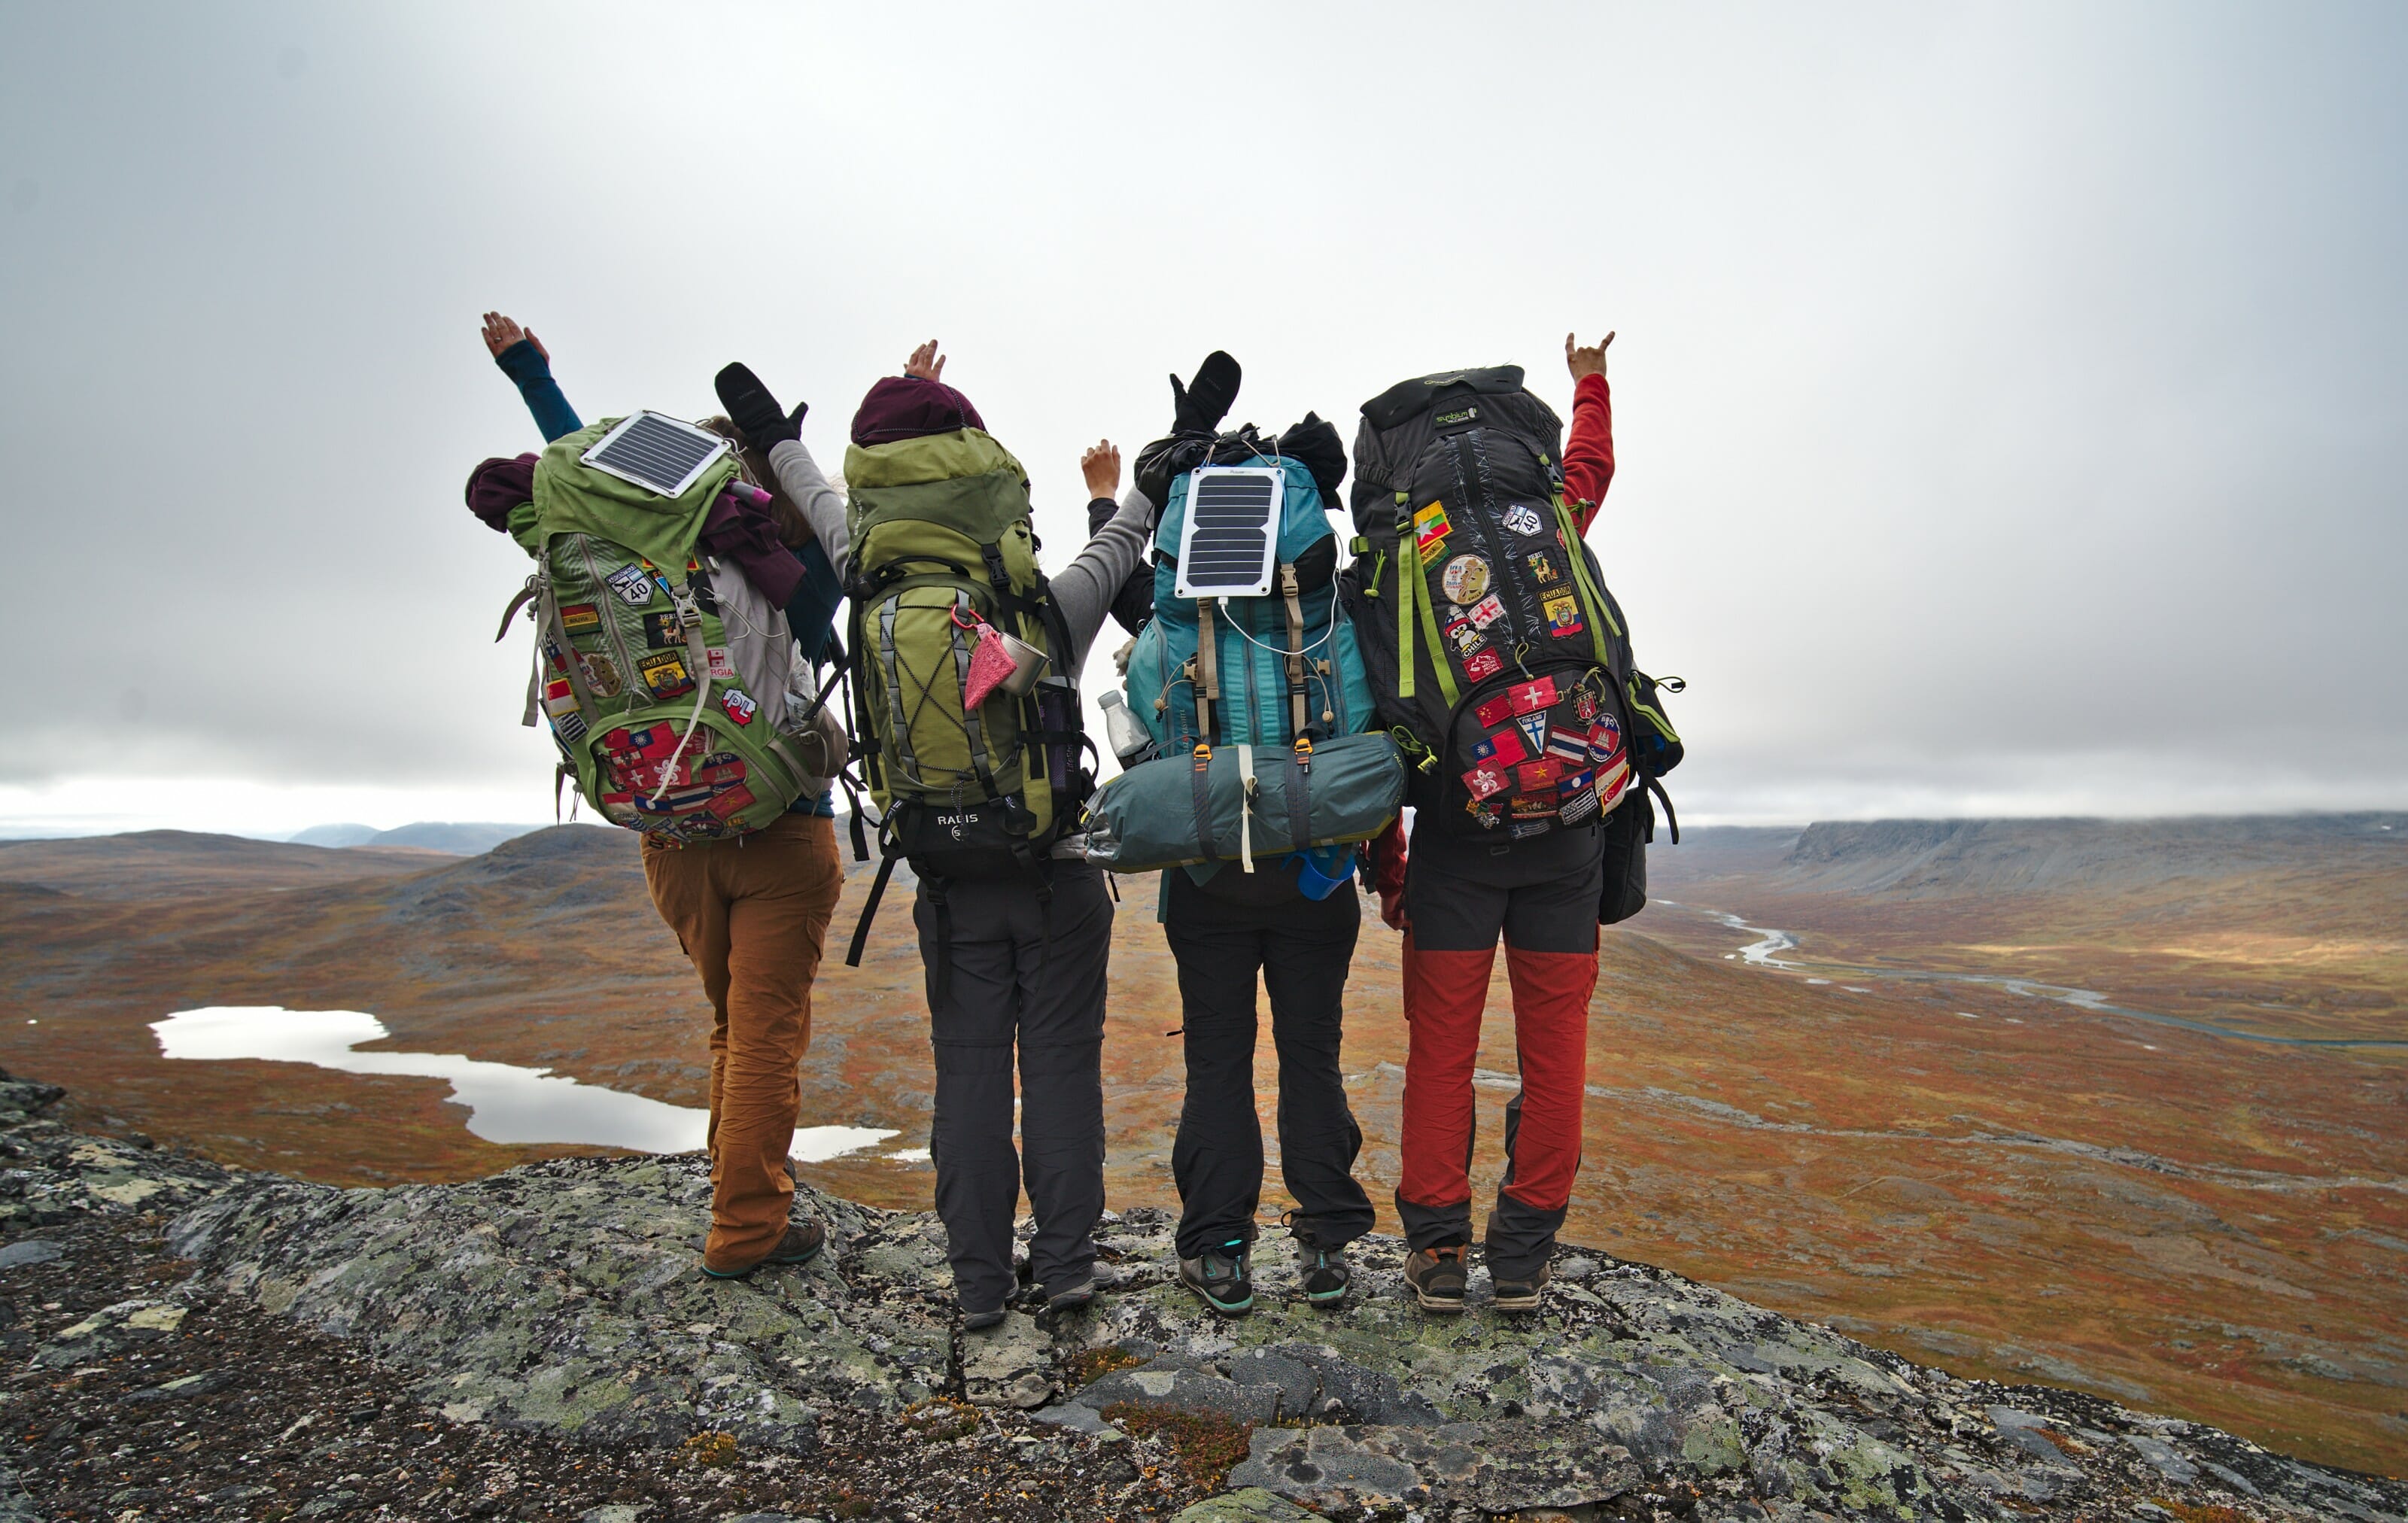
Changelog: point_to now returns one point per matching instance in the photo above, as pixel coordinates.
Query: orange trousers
(753, 915)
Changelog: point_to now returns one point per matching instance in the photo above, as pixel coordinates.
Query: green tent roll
(1177, 811)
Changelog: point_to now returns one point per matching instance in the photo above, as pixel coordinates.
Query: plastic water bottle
(1129, 740)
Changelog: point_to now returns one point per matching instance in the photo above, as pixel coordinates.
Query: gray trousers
(1017, 974)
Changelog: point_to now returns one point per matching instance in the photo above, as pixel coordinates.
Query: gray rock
(29, 1251)
(109, 1329)
(1494, 1467)
(1251, 1505)
(1174, 1386)
(2168, 1460)
(1008, 1365)
(1076, 1415)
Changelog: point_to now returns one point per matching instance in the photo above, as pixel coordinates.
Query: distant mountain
(458, 839)
(190, 863)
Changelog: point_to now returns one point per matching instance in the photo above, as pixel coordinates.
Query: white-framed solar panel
(1229, 543)
(660, 454)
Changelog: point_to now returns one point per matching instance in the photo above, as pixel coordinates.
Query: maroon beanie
(908, 407)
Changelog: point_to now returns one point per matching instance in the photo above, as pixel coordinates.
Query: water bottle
(1129, 740)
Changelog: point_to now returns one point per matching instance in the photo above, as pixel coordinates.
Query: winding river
(1764, 951)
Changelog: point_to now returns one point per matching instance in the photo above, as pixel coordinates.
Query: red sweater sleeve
(1588, 455)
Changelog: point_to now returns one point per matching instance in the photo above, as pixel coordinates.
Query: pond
(506, 1103)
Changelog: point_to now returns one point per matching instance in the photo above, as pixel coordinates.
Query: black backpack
(1497, 655)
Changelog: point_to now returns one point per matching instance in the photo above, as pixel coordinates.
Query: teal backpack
(1265, 737)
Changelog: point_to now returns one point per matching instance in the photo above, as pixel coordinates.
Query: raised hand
(502, 332)
(925, 363)
(754, 412)
(1586, 361)
(1101, 465)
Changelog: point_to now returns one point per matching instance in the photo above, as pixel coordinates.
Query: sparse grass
(2191, 1512)
(940, 1419)
(1205, 1444)
(2063, 1441)
(1090, 1365)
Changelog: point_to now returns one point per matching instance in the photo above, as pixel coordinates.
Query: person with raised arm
(1015, 955)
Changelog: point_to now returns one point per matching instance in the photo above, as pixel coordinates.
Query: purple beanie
(908, 407)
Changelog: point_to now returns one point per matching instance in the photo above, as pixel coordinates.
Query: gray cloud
(2008, 401)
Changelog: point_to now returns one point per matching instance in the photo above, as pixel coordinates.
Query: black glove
(755, 412)
(1314, 441)
(1199, 406)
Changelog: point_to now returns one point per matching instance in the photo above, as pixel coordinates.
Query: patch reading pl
(633, 585)
(739, 705)
(1466, 580)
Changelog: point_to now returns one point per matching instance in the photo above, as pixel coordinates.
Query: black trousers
(1012, 984)
(1301, 947)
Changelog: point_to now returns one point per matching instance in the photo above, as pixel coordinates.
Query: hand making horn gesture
(1586, 361)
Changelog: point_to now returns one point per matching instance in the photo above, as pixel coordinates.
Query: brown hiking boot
(802, 1242)
(1520, 1292)
(1436, 1276)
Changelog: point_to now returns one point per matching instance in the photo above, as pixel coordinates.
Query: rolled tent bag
(1241, 802)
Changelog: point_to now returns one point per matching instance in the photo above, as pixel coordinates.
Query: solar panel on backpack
(659, 453)
(1230, 540)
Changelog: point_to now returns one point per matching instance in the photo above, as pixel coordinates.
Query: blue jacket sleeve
(811, 614)
(532, 372)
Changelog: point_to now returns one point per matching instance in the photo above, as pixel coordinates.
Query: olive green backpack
(941, 543)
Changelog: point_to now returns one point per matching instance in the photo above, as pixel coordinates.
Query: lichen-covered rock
(565, 1296)
(1008, 1365)
(1250, 1505)
(108, 1330)
(568, 1295)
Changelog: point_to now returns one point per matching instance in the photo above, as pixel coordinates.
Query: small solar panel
(659, 453)
(1231, 540)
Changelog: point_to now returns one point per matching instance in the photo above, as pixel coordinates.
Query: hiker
(750, 911)
(1273, 670)
(978, 783)
(1492, 640)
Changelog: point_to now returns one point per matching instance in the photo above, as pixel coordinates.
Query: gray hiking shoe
(1219, 1275)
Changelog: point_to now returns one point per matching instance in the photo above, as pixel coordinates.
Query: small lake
(506, 1103)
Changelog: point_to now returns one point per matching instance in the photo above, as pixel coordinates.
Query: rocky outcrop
(562, 1297)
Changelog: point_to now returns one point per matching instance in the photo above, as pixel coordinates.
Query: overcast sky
(2010, 401)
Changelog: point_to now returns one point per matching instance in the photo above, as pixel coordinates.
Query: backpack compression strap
(1296, 705)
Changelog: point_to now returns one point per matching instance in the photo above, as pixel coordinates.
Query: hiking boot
(1436, 1276)
(1520, 1292)
(1323, 1269)
(803, 1241)
(1219, 1275)
(981, 1321)
(1076, 1297)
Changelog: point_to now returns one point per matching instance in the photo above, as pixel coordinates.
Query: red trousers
(1541, 900)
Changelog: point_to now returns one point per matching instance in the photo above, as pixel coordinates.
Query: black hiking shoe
(981, 1321)
(1436, 1276)
(1323, 1269)
(1219, 1275)
(802, 1242)
(1075, 1296)
(1520, 1292)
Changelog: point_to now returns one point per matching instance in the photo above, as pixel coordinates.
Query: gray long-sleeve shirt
(1083, 589)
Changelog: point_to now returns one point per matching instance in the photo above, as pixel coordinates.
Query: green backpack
(674, 690)
(941, 544)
